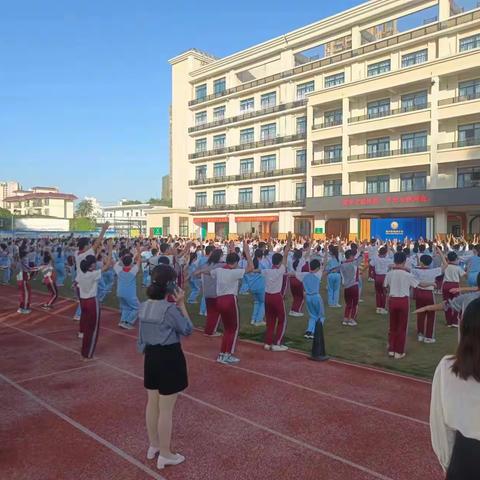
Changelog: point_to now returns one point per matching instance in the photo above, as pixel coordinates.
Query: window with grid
(201, 199)
(219, 113)
(247, 105)
(469, 135)
(332, 188)
(414, 142)
(378, 147)
(219, 85)
(332, 117)
(414, 58)
(219, 141)
(219, 169)
(378, 68)
(414, 101)
(301, 158)
(332, 153)
(470, 43)
(268, 100)
(245, 196)
(183, 226)
(200, 118)
(301, 125)
(201, 91)
(267, 132)
(300, 191)
(268, 163)
(200, 145)
(267, 194)
(378, 108)
(333, 80)
(305, 88)
(246, 135)
(201, 172)
(466, 177)
(469, 90)
(412, 182)
(378, 184)
(219, 197)
(246, 166)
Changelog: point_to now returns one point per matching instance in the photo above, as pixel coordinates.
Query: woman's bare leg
(167, 403)
(151, 417)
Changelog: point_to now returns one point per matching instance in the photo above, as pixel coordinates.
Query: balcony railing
(346, 55)
(469, 142)
(459, 99)
(248, 146)
(333, 123)
(327, 161)
(246, 116)
(247, 176)
(389, 113)
(390, 153)
(249, 206)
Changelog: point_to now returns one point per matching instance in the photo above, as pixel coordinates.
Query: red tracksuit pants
(213, 316)
(25, 291)
(89, 325)
(451, 316)
(380, 291)
(425, 320)
(397, 335)
(351, 295)
(275, 318)
(296, 289)
(227, 308)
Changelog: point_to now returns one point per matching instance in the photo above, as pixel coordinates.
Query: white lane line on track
(58, 372)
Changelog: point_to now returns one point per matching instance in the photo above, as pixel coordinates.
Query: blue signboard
(399, 228)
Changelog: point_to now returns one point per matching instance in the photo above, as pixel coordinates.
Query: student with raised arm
(451, 280)
(349, 271)
(381, 263)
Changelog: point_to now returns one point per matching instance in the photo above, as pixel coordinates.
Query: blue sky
(85, 85)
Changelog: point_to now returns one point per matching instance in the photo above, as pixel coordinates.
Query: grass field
(365, 343)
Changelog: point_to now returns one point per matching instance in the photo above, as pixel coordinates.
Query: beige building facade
(369, 115)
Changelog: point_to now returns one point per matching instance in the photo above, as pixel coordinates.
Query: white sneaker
(214, 334)
(80, 335)
(420, 337)
(360, 300)
(399, 356)
(229, 358)
(391, 354)
(279, 348)
(26, 311)
(267, 347)
(20, 310)
(163, 462)
(378, 310)
(338, 306)
(260, 324)
(352, 323)
(429, 340)
(345, 322)
(76, 318)
(384, 311)
(152, 452)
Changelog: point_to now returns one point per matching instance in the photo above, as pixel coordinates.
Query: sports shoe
(128, 326)
(26, 311)
(80, 335)
(163, 462)
(231, 359)
(279, 348)
(361, 300)
(399, 356)
(291, 313)
(152, 452)
(76, 318)
(429, 340)
(214, 334)
(345, 322)
(391, 354)
(383, 311)
(307, 335)
(20, 310)
(454, 325)
(221, 358)
(260, 324)
(420, 337)
(370, 279)
(267, 347)
(352, 323)
(378, 310)
(338, 306)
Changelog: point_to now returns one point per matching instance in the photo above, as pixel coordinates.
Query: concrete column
(285, 224)
(434, 137)
(354, 227)
(345, 146)
(211, 230)
(356, 38)
(232, 227)
(440, 219)
(443, 10)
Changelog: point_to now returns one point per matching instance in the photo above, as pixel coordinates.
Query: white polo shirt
(381, 264)
(274, 279)
(88, 283)
(453, 273)
(81, 256)
(400, 282)
(227, 280)
(426, 275)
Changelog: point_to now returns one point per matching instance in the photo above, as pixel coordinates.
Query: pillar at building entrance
(440, 220)
(354, 228)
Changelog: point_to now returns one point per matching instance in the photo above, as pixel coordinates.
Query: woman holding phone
(162, 324)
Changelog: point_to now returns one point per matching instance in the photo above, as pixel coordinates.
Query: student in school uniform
(399, 282)
(294, 265)
(242, 264)
(381, 263)
(49, 280)
(24, 275)
(146, 255)
(371, 254)
(473, 266)
(201, 262)
(349, 270)
(274, 301)
(193, 281)
(227, 279)
(452, 275)
(59, 261)
(87, 280)
(256, 286)
(5, 264)
(334, 279)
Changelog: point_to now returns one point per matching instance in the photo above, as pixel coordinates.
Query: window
(219, 197)
(200, 118)
(201, 172)
(332, 153)
(414, 58)
(414, 101)
(470, 43)
(305, 88)
(200, 91)
(166, 225)
(247, 105)
(378, 184)
(412, 182)
(219, 86)
(469, 135)
(469, 90)
(219, 141)
(332, 188)
(301, 125)
(245, 196)
(333, 80)
(267, 132)
(183, 226)
(378, 68)
(268, 163)
(378, 147)
(466, 177)
(268, 100)
(46, 201)
(300, 191)
(246, 166)
(379, 108)
(301, 159)
(201, 199)
(136, 214)
(47, 212)
(219, 169)
(333, 117)
(246, 135)
(267, 194)
(414, 142)
(219, 113)
(200, 145)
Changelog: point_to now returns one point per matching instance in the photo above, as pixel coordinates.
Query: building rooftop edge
(201, 55)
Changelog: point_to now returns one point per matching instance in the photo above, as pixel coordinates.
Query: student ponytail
(297, 255)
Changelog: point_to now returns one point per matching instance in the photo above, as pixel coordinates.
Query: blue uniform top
(311, 281)
(473, 264)
(255, 280)
(127, 283)
(331, 264)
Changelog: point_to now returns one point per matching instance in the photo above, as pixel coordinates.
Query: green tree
(84, 209)
(131, 202)
(82, 224)
(160, 202)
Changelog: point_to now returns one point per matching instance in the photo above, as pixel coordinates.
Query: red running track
(275, 416)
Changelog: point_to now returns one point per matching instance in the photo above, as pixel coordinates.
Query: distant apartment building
(166, 188)
(6, 190)
(335, 127)
(127, 219)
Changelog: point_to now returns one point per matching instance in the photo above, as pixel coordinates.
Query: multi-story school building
(365, 123)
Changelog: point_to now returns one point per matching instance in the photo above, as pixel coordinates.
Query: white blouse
(455, 406)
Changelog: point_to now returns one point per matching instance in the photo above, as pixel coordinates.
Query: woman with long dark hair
(455, 405)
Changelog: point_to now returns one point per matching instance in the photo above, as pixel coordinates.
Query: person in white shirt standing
(451, 280)
(381, 264)
(455, 403)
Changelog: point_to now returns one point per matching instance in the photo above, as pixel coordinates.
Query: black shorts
(165, 369)
(465, 461)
